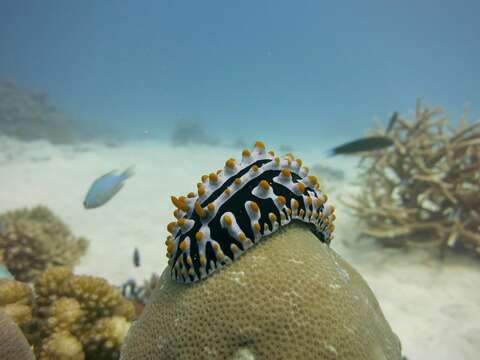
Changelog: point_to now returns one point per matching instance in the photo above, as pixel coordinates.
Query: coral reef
(191, 132)
(61, 346)
(81, 316)
(16, 301)
(288, 297)
(33, 239)
(13, 344)
(70, 317)
(28, 115)
(425, 190)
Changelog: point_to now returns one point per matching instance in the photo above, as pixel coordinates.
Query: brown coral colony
(426, 189)
(82, 313)
(33, 239)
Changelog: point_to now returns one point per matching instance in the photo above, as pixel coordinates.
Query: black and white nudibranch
(234, 208)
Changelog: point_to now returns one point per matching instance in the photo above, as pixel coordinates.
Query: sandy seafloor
(433, 306)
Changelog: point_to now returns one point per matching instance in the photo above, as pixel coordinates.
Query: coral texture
(13, 344)
(81, 314)
(62, 346)
(425, 190)
(33, 239)
(289, 297)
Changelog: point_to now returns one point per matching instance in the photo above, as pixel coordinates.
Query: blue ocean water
(302, 72)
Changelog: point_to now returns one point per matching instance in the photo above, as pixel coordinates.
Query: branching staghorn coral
(33, 239)
(81, 314)
(424, 190)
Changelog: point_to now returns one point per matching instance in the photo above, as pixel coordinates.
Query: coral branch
(425, 189)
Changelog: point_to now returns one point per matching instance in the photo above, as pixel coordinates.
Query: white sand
(433, 306)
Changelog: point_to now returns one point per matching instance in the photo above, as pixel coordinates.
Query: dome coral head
(235, 207)
(288, 297)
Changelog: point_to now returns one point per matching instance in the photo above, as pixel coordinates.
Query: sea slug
(237, 206)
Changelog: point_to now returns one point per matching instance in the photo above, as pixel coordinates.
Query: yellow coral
(12, 291)
(33, 239)
(16, 301)
(85, 308)
(61, 346)
(104, 339)
(289, 297)
(64, 314)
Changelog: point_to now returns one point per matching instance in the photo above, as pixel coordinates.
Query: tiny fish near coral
(239, 205)
(105, 187)
(136, 258)
(368, 143)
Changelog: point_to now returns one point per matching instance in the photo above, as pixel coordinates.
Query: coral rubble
(33, 239)
(289, 297)
(83, 316)
(425, 190)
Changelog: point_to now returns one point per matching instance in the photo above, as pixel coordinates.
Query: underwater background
(175, 88)
(271, 66)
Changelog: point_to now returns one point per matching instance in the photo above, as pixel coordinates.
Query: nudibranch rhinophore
(237, 206)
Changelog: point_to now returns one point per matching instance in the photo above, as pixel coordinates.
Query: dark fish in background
(392, 122)
(369, 143)
(363, 144)
(136, 258)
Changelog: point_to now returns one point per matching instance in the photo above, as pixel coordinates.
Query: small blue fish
(4, 273)
(105, 187)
